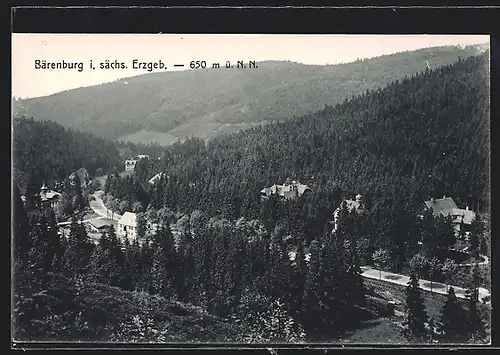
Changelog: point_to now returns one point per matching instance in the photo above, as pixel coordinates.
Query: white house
(127, 225)
(130, 164)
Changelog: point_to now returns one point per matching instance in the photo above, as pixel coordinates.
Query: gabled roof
(286, 190)
(102, 222)
(50, 195)
(156, 178)
(464, 216)
(128, 219)
(302, 188)
(352, 205)
(446, 207)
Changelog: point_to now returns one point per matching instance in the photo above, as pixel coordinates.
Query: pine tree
(32, 190)
(22, 242)
(312, 309)
(78, 250)
(428, 233)
(475, 323)
(453, 321)
(163, 263)
(298, 279)
(416, 315)
(475, 237)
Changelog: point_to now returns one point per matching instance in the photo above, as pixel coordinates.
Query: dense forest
(222, 280)
(228, 270)
(205, 103)
(396, 146)
(47, 151)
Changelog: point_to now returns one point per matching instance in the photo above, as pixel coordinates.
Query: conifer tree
(475, 322)
(475, 237)
(22, 242)
(312, 309)
(453, 320)
(416, 315)
(298, 280)
(78, 250)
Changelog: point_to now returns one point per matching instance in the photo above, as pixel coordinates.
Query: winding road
(99, 208)
(402, 280)
(436, 287)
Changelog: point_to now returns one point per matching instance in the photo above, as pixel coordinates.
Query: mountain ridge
(203, 103)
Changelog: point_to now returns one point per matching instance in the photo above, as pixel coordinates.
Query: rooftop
(102, 222)
(156, 178)
(447, 207)
(128, 219)
(49, 195)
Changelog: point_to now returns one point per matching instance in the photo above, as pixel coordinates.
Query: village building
(127, 225)
(98, 225)
(48, 198)
(289, 190)
(156, 178)
(357, 205)
(130, 164)
(142, 156)
(461, 218)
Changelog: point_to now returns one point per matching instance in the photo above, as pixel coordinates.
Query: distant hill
(165, 107)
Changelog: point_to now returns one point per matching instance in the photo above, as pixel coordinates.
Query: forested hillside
(45, 150)
(48, 151)
(228, 270)
(167, 106)
(421, 137)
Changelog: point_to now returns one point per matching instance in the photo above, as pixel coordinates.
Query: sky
(28, 81)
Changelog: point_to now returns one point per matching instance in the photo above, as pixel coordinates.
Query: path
(403, 280)
(98, 206)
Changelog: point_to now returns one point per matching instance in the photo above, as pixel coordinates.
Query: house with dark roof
(101, 224)
(461, 218)
(357, 205)
(289, 190)
(48, 198)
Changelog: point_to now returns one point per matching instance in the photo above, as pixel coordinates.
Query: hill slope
(97, 312)
(48, 151)
(204, 103)
(423, 137)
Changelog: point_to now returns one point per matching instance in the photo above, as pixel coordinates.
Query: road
(98, 206)
(403, 280)
(371, 273)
